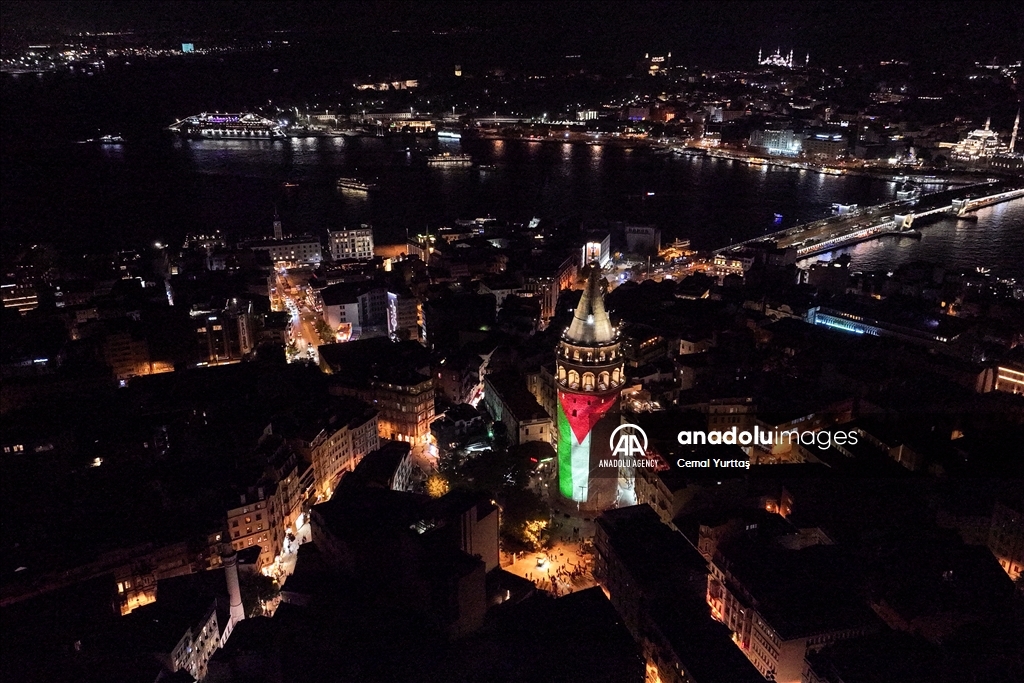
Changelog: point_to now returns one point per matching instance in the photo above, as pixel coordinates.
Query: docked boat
(449, 134)
(244, 126)
(449, 159)
(356, 184)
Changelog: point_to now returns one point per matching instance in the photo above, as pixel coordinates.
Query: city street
(303, 320)
(567, 566)
(561, 570)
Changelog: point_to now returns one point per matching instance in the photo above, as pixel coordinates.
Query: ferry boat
(448, 134)
(104, 140)
(245, 126)
(449, 159)
(355, 184)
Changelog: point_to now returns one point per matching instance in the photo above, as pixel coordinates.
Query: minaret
(988, 123)
(278, 234)
(759, 60)
(807, 60)
(1013, 135)
(236, 610)
(789, 62)
(589, 378)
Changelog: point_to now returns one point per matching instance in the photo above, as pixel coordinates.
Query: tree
(325, 331)
(525, 521)
(437, 485)
(257, 590)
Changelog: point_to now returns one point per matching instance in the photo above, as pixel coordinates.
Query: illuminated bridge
(963, 206)
(891, 218)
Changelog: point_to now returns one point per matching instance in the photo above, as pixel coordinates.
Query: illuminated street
(564, 568)
(303, 320)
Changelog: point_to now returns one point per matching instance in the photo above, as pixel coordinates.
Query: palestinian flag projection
(590, 378)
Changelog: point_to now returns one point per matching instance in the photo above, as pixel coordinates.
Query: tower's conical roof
(590, 322)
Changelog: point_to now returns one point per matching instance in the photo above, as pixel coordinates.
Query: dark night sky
(833, 32)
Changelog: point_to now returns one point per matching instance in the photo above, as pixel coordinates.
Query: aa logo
(628, 441)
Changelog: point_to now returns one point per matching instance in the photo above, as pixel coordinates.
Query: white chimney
(230, 562)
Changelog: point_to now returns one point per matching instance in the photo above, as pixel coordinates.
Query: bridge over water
(893, 217)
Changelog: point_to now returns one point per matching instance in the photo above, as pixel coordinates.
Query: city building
(393, 377)
(459, 379)
(597, 247)
(21, 297)
(590, 377)
(126, 351)
(335, 441)
(978, 144)
(354, 243)
(655, 64)
(254, 520)
(1006, 538)
(137, 580)
(771, 597)
(655, 580)
(224, 331)
(387, 467)
(422, 554)
(776, 59)
(825, 145)
(405, 315)
(882, 320)
(183, 636)
(643, 239)
(302, 250)
(355, 310)
(784, 142)
(1010, 378)
(445, 317)
(509, 402)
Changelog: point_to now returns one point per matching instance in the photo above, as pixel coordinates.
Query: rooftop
(591, 324)
(379, 359)
(509, 386)
(799, 593)
(670, 574)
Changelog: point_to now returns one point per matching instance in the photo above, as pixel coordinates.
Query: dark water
(996, 241)
(160, 189)
(157, 187)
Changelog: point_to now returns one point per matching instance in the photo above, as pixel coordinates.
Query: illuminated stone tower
(278, 232)
(589, 375)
